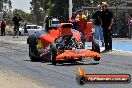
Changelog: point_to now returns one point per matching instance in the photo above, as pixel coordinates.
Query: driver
(65, 30)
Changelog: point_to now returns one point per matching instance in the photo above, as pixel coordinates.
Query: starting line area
(123, 45)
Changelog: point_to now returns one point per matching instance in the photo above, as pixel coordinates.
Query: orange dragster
(60, 45)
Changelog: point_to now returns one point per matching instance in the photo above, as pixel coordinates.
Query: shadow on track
(64, 64)
(34, 60)
(74, 64)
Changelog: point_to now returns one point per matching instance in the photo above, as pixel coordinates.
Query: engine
(66, 43)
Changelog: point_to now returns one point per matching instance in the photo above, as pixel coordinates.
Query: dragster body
(63, 44)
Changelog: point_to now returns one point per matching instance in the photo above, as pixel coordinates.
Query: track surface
(14, 56)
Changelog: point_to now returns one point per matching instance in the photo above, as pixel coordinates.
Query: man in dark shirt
(107, 21)
(16, 19)
(98, 34)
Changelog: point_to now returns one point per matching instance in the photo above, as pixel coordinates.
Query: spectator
(16, 19)
(97, 25)
(107, 21)
(25, 29)
(3, 25)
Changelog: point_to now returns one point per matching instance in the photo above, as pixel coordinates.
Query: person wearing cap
(16, 19)
(98, 34)
(107, 18)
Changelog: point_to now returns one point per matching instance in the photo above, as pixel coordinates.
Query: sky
(21, 4)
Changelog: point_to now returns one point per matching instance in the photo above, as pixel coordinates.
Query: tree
(8, 17)
(4, 3)
(26, 17)
(41, 8)
(60, 8)
(5, 6)
(35, 10)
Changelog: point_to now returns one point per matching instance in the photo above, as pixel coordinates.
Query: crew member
(98, 34)
(107, 21)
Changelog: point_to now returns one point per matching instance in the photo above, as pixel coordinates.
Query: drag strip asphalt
(14, 56)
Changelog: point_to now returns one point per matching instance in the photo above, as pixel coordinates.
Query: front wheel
(96, 48)
(97, 59)
(83, 39)
(53, 54)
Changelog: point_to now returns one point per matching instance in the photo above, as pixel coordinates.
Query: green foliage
(60, 8)
(41, 8)
(26, 17)
(7, 2)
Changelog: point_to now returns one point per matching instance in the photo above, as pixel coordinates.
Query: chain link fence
(121, 27)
